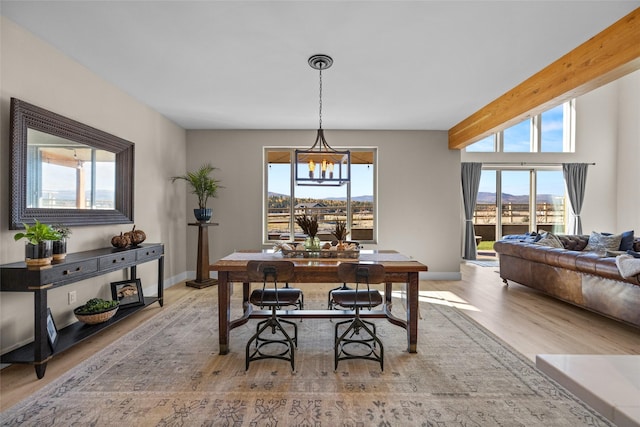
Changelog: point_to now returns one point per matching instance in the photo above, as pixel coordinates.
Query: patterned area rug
(167, 372)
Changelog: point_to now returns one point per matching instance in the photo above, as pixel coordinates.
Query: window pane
(485, 145)
(517, 138)
(550, 201)
(278, 198)
(484, 219)
(361, 202)
(515, 202)
(552, 122)
(327, 203)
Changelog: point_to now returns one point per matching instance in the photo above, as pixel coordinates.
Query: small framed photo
(52, 331)
(127, 292)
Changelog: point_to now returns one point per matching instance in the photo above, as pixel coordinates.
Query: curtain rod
(524, 164)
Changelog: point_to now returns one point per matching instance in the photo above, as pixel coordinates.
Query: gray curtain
(470, 184)
(575, 177)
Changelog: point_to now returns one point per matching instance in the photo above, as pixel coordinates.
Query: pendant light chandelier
(321, 165)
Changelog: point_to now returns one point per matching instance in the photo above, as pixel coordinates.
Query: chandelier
(321, 165)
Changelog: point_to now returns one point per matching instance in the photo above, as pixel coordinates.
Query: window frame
(292, 190)
(535, 138)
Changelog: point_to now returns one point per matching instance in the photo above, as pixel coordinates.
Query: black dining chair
(270, 273)
(331, 305)
(359, 340)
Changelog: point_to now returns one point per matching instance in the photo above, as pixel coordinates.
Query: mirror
(63, 171)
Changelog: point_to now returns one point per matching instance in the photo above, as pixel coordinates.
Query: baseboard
(440, 275)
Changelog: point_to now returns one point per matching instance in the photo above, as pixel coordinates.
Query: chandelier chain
(320, 103)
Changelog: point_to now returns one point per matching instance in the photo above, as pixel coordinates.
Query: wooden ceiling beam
(609, 55)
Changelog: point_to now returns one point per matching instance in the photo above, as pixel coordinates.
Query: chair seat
(360, 298)
(267, 297)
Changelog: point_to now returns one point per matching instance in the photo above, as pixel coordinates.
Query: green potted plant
(39, 246)
(60, 245)
(96, 310)
(203, 186)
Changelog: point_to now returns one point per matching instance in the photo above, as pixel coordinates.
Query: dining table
(399, 268)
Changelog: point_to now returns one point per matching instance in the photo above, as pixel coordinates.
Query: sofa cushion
(599, 242)
(626, 243)
(550, 240)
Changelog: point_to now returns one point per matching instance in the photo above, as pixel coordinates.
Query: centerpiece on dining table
(313, 247)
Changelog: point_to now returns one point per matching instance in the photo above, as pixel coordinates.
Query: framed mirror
(63, 171)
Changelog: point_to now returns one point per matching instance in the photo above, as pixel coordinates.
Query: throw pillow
(600, 242)
(550, 240)
(626, 243)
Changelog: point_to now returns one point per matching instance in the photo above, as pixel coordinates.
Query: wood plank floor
(529, 321)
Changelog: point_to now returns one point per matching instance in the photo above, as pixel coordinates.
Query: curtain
(470, 184)
(575, 178)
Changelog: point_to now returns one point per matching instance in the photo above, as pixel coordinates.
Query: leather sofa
(585, 279)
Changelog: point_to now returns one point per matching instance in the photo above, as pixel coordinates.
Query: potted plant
(60, 245)
(340, 233)
(39, 246)
(96, 310)
(309, 225)
(203, 186)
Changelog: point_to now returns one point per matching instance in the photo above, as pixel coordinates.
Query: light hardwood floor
(529, 321)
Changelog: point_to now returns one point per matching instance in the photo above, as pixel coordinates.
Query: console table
(16, 277)
(202, 268)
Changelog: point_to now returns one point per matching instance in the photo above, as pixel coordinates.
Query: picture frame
(127, 292)
(52, 330)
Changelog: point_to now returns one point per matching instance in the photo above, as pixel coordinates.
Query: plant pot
(38, 255)
(59, 249)
(203, 215)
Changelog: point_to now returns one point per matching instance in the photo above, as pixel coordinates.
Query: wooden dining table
(398, 269)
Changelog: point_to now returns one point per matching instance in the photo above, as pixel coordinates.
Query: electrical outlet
(72, 297)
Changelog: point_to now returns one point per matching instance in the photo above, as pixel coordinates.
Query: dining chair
(270, 273)
(359, 340)
(331, 305)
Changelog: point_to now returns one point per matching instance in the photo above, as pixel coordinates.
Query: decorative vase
(38, 255)
(312, 243)
(59, 249)
(203, 215)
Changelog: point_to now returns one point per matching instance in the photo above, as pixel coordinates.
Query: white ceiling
(243, 65)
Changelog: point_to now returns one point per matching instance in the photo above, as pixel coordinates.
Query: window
(515, 191)
(486, 145)
(353, 202)
(549, 132)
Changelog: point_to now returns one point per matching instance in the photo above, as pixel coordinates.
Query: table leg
(224, 310)
(412, 312)
(41, 342)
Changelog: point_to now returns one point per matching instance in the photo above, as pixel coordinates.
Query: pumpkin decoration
(121, 241)
(136, 236)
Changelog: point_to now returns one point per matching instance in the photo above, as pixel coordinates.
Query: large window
(549, 132)
(518, 201)
(353, 202)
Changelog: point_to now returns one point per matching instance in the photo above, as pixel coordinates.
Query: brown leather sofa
(585, 279)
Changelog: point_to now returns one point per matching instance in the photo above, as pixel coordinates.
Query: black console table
(16, 277)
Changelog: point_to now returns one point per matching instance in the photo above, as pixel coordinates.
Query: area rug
(484, 263)
(167, 372)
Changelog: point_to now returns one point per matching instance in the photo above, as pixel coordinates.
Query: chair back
(361, 273)
(270, 271)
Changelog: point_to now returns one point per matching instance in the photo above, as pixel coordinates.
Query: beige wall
(418, 190)
(628, 188)
(608, 134)
(35, 72)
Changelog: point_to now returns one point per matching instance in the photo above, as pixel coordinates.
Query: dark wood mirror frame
(27, 116)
